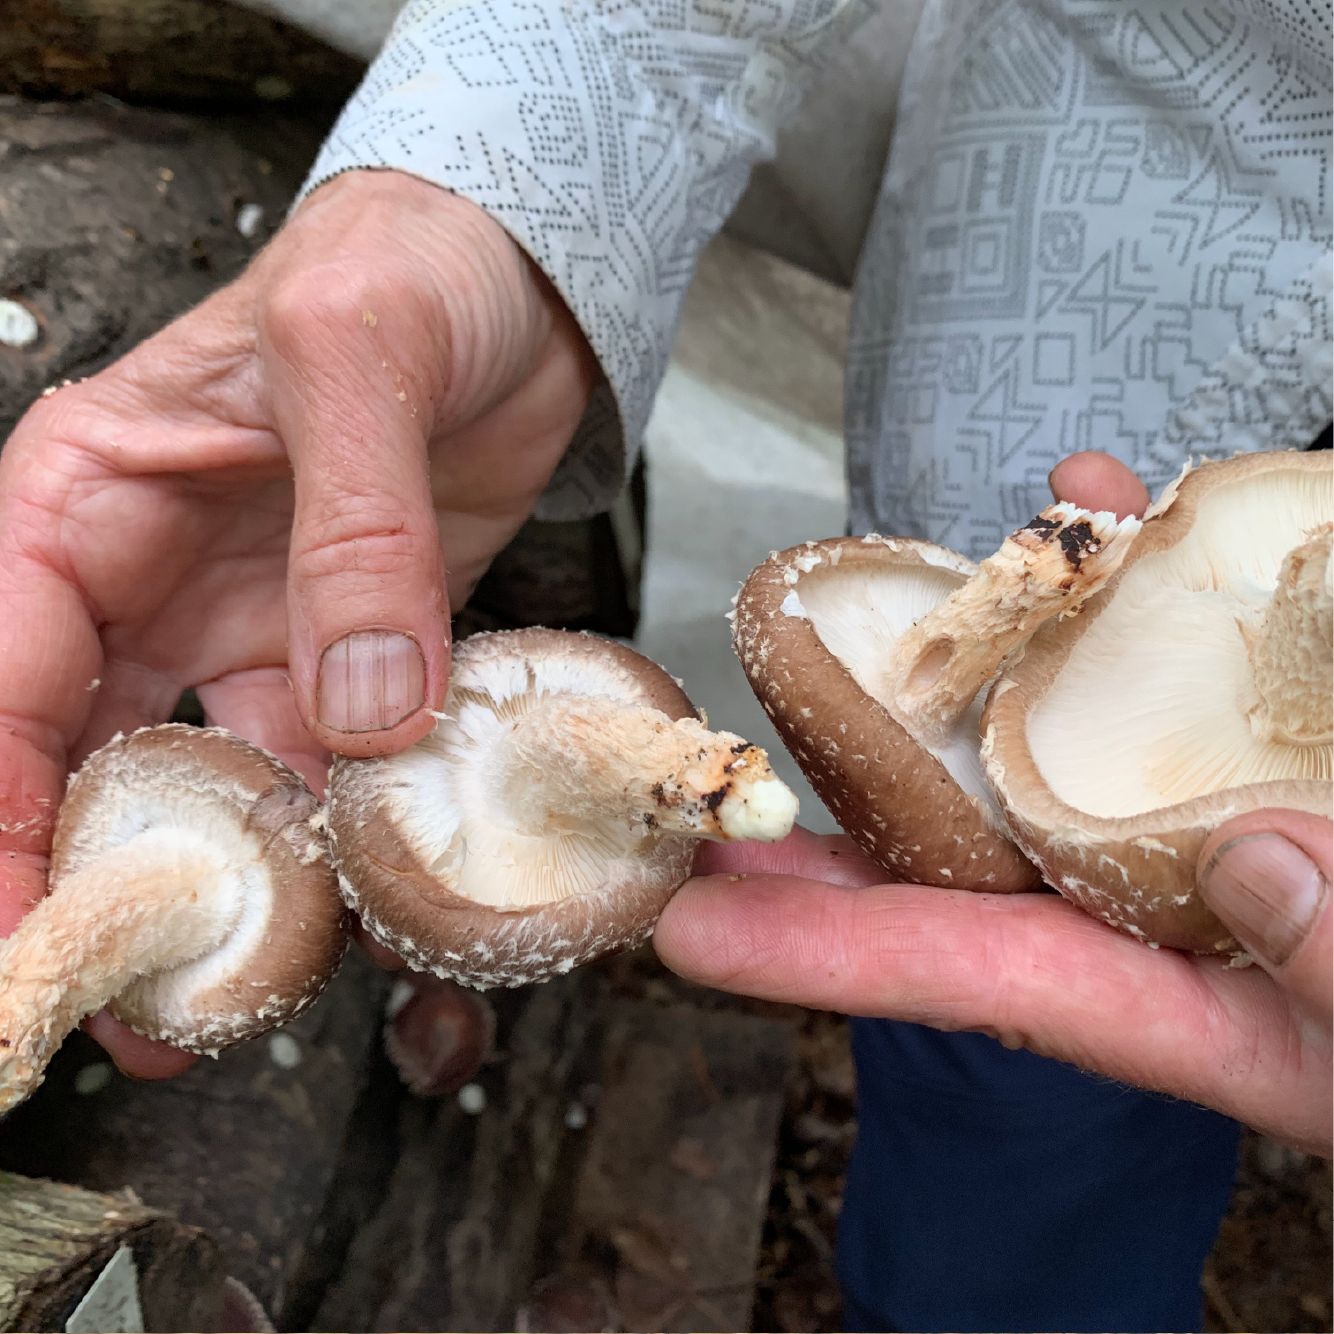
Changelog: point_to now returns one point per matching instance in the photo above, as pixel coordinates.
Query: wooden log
(56, 1240)
(178, 52)
(246, 1147)
(115, 220)
(452, 1246)
(670, 1199)
(616, 1177)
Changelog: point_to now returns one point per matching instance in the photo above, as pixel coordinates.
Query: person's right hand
(276, 500)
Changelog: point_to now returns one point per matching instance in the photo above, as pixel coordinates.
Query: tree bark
(55, 1240)
(669, 1201)
(451, 1245)
(184, 53)
(620, 1167)
(246, 1147)
(115, 220)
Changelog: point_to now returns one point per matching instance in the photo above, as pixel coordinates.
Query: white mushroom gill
(1155, 704)
(540, 778)
(860, 612)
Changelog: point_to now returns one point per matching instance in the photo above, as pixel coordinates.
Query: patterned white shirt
(1103, 224)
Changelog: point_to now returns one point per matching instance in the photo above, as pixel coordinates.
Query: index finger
(1029, 969)
(49, 656)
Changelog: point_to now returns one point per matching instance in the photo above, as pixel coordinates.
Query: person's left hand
(811, 921)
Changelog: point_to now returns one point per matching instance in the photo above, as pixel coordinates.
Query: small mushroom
(188, 891)
(1196, 687)
(548, 817)
(437, 1034)
(871, 656)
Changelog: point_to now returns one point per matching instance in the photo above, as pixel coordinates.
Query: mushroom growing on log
(437, 1034)
(871, 655)
(549, 816)
(188, 891)
(1196, 687)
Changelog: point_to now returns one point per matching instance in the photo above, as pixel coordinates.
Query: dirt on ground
(1270, 1270)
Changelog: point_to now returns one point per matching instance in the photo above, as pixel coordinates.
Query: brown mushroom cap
(189, 892)
(814, 627)
(208, 786)
(495, 862)
(1119, 739)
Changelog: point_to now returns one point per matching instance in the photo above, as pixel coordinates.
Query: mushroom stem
(142, 907)
(1292, 652)
(588, 757)
(1048, 568)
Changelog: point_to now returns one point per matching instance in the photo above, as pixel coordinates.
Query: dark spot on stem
(1076, 541)
(714, 799)
(1041, 525)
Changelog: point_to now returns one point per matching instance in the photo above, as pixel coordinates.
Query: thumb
(1266, 874)
(1097, 481)
(368, 611)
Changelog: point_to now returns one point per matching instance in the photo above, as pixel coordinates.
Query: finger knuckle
(311, 302)
(364, 546)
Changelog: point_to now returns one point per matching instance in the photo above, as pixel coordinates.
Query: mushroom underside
(815, 628)
(548, 817)
(1149, 709)
(247, 816)
(1118, 741)
(189, 892)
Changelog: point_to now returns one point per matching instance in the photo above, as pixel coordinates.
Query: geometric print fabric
(1103, 225)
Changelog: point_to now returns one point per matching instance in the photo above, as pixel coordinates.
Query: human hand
(277, 500)
(811, 921)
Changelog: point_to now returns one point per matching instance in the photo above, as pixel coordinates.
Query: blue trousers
(995, 1190)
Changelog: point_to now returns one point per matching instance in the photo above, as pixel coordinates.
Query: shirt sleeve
(611, 138)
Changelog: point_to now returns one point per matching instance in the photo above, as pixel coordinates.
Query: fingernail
(1267, 890)
(369, 681)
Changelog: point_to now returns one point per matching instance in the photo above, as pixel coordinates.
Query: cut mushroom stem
(147, 906)
(589, 758)
(1292, 651)
(1050, 567)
